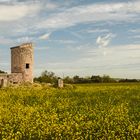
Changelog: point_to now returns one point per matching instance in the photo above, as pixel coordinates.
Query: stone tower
(22, 61)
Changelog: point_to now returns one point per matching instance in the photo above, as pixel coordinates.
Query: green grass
(90, 111)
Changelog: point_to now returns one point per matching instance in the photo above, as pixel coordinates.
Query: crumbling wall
(15, 78)
(3, 80)
(9, 79)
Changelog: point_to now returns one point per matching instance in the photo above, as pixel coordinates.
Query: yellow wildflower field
(79, 112)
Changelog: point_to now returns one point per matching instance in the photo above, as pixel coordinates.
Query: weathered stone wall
(9, 79)
(22, 61)
(15, 78)
(3, 80)
(3, 76)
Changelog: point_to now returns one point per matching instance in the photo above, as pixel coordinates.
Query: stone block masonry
(22, 61)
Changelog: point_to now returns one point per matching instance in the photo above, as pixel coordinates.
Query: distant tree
(128, 80)
(76, 79)
(108, 79)
(68, 80)
(96, 79)
(46, 77)
(47, 73)
(81, 80)
(2, 71)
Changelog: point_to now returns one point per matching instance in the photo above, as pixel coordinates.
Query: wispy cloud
(45, 36)
(17, 11)
(103, 41)
(93, 13)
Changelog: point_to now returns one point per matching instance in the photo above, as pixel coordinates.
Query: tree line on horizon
(50, 77)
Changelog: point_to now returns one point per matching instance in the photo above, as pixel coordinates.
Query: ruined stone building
(21, 65)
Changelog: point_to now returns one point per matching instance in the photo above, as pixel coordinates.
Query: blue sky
(74, 37)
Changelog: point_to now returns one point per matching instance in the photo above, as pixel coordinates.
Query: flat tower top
(23, 45)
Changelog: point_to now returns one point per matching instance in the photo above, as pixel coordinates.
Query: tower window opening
(27, 65)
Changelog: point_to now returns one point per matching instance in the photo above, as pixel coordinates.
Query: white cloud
(102, 41)
(17, 11)
(92, 13)
(105, 40)
(45, 36)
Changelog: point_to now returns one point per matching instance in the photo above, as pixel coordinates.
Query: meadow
(76, 112)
